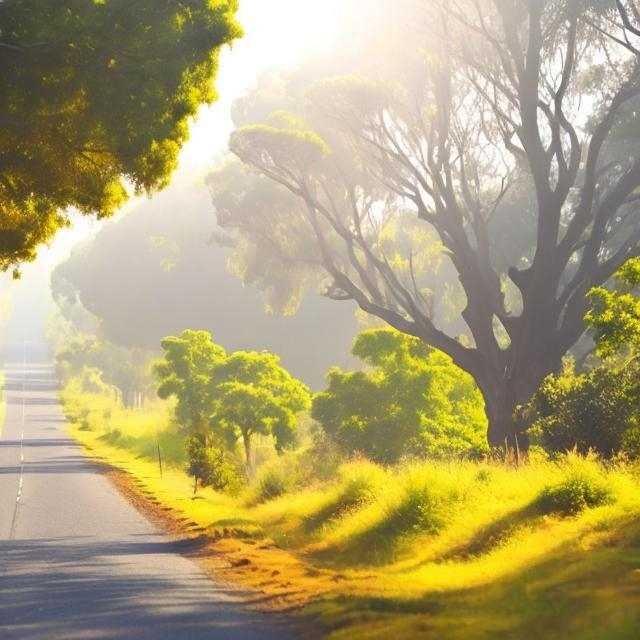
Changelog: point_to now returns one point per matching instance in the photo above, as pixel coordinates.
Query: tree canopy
(96, 97)
(253, 395)
(185, 373)
(505, 129)
(229, 397)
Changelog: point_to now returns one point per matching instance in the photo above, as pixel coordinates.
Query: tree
(497, 103)
(158, 285)
(185, 373)
(125, 370)
(209, 466)
(412, 401)
(252, 394)
(96, 95)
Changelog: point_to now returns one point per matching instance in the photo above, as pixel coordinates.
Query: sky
(278, 33)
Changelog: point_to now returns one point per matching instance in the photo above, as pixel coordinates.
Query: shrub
(209, 466)
(631, 443)
(292, 470)
(591, 411)
(422, 506)
(582, 484)
(412, 401)
(271, 482)
(417, 500)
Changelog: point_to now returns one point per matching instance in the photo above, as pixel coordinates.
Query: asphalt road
(77, 561)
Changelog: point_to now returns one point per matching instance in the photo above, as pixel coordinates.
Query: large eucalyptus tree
(508, 130)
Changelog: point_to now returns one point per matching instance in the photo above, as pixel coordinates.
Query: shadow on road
(73, 585)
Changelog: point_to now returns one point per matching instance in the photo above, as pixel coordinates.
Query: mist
(320, 319)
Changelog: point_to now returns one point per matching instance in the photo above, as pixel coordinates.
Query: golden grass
(467, 550)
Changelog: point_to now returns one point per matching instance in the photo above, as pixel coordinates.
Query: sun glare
(286, 30)
(277, 34)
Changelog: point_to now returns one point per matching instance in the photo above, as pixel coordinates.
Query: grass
(456, 550)
(140, 432)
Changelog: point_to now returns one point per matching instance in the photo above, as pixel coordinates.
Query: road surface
(77, 561)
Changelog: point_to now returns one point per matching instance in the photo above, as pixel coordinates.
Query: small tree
(209, 466)
(412, 401)
(185, 373)
(252, 394)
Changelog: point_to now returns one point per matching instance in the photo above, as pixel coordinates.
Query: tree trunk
(504, 429)
(502, 397)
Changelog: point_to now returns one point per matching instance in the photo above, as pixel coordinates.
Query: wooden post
(160, 460)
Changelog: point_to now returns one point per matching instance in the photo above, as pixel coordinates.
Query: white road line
(21, 480)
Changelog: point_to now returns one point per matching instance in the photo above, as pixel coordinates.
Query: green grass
(140, 432)
(431, 549)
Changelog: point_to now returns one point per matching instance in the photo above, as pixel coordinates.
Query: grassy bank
(456, 550)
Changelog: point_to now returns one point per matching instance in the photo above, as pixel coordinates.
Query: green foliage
(357, 484)
(235, 396)
(185, 373)
(272, 147)
(615, 314)
(631, 443)
(102, 364)
(415, 500)
(582, 484)
(598, 409)
(412, 401)
(210, 466)
(592, 410)
(252, 394)
(96, 95)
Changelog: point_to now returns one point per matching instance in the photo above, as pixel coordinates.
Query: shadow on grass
(332, 511)
(570, 593)
(497, 532)
(242, 528)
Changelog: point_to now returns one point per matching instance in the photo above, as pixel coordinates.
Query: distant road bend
(77, 561)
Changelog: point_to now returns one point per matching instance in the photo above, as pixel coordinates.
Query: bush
(631, 443)
(292, 470)
(412, 401)
(582, 484)
(414, 500)
(271, 482)
(209, 466)
(422, 506)
(590, 411)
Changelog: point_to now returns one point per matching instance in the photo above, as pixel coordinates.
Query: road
(77, 561)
